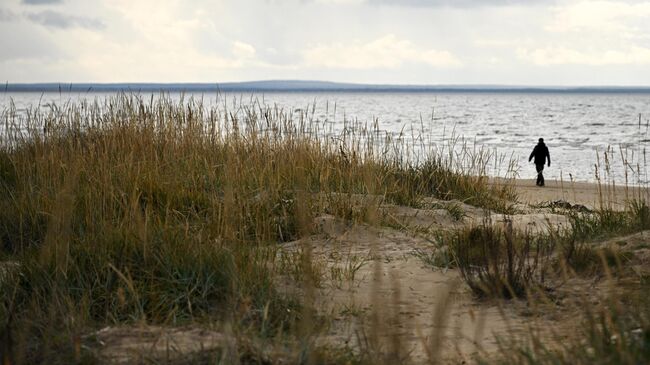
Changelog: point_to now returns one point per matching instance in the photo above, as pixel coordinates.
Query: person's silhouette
(540, 153)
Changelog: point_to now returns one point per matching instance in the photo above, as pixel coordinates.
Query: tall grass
(156, 211)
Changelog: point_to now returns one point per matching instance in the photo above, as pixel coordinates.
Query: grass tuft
(500, 262)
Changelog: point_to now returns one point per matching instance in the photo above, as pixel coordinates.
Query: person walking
(540, 153)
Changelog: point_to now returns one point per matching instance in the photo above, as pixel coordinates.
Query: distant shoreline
(313, 86)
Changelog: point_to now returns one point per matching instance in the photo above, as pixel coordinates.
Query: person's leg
(540, 177)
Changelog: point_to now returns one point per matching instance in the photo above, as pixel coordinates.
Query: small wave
(484, 140)
(578, 142)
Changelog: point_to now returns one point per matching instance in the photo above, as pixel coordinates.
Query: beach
(146, 230)
(591, 195)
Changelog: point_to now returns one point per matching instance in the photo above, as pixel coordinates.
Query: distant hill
(305, 85)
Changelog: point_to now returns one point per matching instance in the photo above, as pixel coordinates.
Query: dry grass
(154, 211)
(134, 211)
(501, 262)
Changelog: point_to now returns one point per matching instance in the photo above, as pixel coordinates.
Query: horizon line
(305, 85)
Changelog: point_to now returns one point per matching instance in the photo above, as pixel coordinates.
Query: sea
(591, 136)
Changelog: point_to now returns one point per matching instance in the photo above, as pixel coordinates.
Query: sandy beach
(591, 195)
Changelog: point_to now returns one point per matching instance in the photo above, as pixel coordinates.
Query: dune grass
(155, 211)
(133, 211)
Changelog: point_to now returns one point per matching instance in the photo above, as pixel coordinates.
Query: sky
(433, 42)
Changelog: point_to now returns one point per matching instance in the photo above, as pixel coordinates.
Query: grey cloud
(41, 2)
(55, 19)
(456, 3)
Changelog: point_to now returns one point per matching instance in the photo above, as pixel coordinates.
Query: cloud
(391, 41)
(55, 19)
(434, 3)
(599, 16)
(41, 2)
(456, 3)
(549, 56)
(385, 52)
(340, 2)
(7, 15)
(243, 50)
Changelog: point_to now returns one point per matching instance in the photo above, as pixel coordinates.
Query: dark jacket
(540, 152)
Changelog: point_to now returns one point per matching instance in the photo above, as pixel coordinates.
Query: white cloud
(338, 2)
(385, 52)
(550, 56)
(243, 50)
(599, 16)
(457, 3)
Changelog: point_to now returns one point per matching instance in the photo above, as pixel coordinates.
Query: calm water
(576, 127)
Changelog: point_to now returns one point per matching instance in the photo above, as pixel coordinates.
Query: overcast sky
(513, 42)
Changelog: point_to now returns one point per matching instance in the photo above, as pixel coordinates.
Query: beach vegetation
(168, 212)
